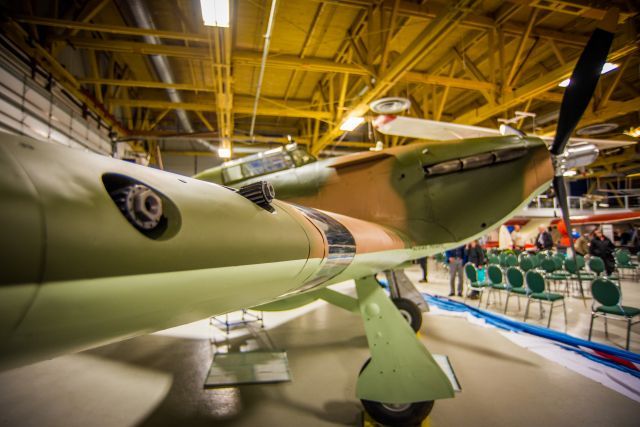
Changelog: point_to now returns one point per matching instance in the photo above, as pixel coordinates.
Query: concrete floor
(156, 380)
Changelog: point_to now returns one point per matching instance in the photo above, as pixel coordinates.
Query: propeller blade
(584, 80)
(561, 195)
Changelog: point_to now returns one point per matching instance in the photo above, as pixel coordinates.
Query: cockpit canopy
(282, 158)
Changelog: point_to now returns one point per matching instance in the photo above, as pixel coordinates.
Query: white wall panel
(27, 108)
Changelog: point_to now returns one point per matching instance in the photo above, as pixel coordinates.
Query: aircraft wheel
(410, 311)
(396, 415)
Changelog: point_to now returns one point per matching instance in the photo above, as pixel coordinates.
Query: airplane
(96, 250)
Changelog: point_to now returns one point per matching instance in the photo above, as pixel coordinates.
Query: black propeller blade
(574, 103)
(584, 80)
(561, 194)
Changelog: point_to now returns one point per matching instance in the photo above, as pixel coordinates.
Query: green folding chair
(536, 286)
(551, 273)
(496, 282)
(575, 268)
(526, 263)
(494, 260)
(515, 285)
(511, 260)
(609, 296)
(471, 272)
(624, 263)
(503, 259)
(596, 265)
(535, 260)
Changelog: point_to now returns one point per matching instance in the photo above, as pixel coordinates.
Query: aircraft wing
(429, 129)
(442, 131)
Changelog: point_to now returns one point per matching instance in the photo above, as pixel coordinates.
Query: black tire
(411, 414)
(410, 311)
(408, 415)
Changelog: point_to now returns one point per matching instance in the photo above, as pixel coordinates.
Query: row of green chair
(527, 279)
(530, 285)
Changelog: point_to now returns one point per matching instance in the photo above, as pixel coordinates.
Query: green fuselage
(76, 274)
(393, 187)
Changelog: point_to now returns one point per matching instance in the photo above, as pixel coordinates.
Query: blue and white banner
(612, 367)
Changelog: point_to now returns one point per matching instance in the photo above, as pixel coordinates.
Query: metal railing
(601, 203)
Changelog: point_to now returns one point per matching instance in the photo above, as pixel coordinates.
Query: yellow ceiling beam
(256, 139)
(411, 77)
(520, 49)
(204, 121)
(240, 106)
(428, 39)
(147, 84)
(125, 46)
(294, 62)
(430, 10)
(576, 8)
(549, 97)
(417, 77)
(406, 9)
(240, 57)
(110, 29)
(543, 84)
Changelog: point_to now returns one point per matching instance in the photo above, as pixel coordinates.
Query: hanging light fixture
(215, 13)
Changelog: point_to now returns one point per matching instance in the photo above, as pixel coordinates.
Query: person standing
(456, 258)
(475, 255)
(582, 245)
(604, 248)
(504, 238)
(517, 237)
(544, 241)
(634, 242)
(423, 266)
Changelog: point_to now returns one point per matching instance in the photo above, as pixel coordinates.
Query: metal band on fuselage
(341, 247)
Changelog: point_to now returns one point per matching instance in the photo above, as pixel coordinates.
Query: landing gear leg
(410, 312)
(398, 385)
(406, 298)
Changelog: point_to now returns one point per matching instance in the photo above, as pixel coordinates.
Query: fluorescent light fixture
(351, 123)
(634, 132)
(215, 13)
(608, 66)
(570, 173)
(224, 153)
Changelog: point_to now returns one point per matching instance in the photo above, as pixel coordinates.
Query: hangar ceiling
(463, 61)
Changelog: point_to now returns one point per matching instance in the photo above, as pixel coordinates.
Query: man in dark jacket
(604, 248)
(456, 258)
(544, 242)
(475, 255)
